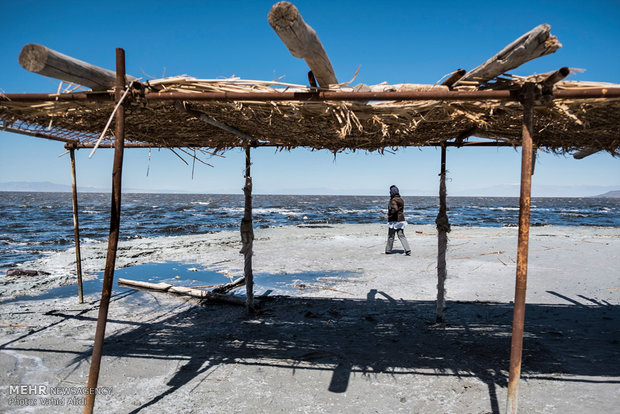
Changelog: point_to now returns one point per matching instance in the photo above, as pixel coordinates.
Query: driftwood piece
(45, 61)
(452, 79)
(397, 87)
(227, 287)
(533, 44)
(181, 290)
(585, 152)
(302, 41)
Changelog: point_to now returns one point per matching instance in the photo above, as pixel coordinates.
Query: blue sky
(415, 42)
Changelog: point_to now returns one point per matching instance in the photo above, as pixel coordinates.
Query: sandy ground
(356, 334)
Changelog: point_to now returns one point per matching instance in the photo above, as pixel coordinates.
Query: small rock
(25, 272)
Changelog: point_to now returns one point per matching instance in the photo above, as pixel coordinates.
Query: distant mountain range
(44, 187)
(610, 194)
(49, 187)
(506, 190)
(542, 190)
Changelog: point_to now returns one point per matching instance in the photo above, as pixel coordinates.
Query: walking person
(396, 221)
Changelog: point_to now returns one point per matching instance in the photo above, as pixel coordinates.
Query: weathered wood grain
(45, 61)
(536, 43)
(302, 41)
(182, 290)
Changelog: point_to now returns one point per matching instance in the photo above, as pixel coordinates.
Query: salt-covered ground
(354, 334)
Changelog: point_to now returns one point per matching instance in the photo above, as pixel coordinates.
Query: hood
(394, 191)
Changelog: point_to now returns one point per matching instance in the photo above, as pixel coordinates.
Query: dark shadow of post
(347, 336)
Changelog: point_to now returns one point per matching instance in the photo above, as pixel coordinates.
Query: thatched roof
(561, 125)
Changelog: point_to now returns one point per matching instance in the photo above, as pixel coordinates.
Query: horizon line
(171, 192)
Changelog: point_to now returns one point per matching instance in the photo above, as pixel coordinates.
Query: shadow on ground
(381, 335)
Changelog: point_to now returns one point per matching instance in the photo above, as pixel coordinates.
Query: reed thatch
(562, 125)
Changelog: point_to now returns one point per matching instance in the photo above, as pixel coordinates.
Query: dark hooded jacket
(396, 207)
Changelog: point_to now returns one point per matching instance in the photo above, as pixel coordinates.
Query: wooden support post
(302, 41)
(518, 321)
(115, 217)
(443, 228)
(247, 234)
(76, 228)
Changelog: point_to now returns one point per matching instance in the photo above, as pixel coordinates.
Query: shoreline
(270, 256)
(358, 337)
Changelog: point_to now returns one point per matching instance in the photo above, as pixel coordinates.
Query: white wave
(9, 243)
(232, 209)
(574, 215)
(272, 210)
(354, 211)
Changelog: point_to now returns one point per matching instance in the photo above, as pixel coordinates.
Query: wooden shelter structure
(534, 112)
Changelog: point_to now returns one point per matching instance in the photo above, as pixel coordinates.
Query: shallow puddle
(192, 275)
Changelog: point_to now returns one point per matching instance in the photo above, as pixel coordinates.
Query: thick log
(302, 41)
(45, 61)
(533, 44)
(182, 290)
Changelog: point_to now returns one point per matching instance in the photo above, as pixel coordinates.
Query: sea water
(34, 225)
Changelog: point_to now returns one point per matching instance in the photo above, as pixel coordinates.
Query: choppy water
(36, 224)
